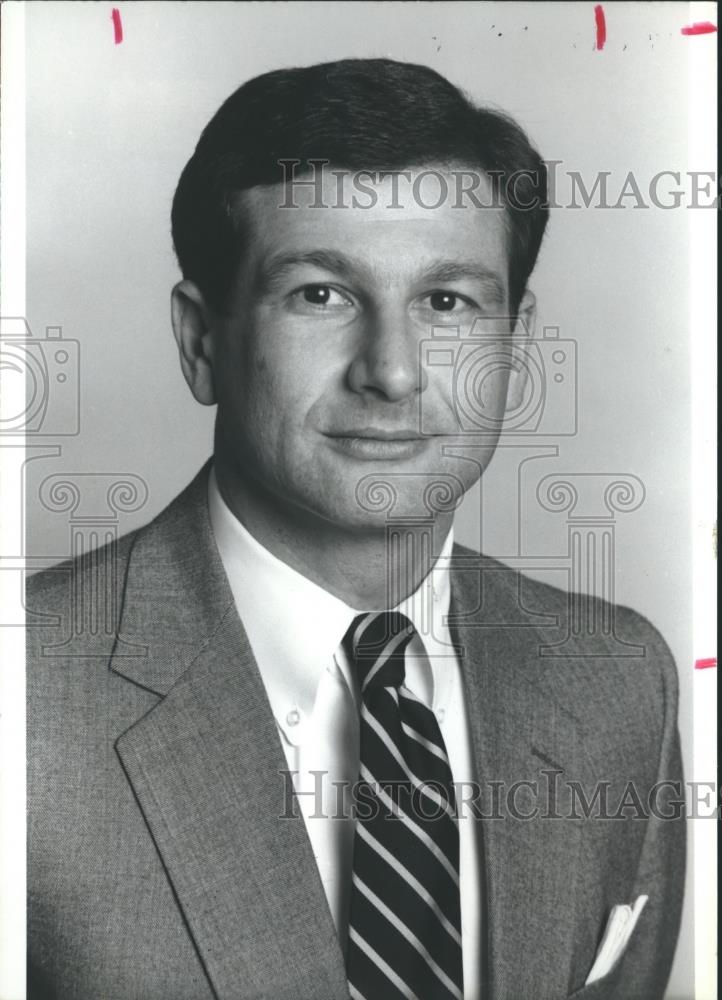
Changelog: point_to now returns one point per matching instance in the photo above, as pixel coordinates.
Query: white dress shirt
(295, 629)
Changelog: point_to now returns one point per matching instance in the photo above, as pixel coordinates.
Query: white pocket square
(620, 925)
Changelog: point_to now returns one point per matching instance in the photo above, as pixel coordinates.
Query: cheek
(481, 384)
(495, 388)
(472, 394)
(268, 398)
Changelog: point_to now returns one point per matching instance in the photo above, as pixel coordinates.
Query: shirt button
(293, 717)
(440, 713)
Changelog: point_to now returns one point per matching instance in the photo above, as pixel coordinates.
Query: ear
(522, 335)
(193, 329)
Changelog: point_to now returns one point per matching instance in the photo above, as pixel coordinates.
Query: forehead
(394, 223)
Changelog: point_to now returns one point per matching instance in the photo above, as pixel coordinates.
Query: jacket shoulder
(49, 590)
(619, 654)
(72, 614)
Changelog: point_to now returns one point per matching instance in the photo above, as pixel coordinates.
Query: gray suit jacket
(159, 868)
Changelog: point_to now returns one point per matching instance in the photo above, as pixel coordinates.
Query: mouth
(380, 434)
(377, 443)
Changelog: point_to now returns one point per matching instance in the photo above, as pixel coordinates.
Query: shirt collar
(295, 627)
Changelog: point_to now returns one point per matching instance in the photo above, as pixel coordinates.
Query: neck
(368, 569)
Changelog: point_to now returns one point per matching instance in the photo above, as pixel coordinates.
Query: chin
(379, 500)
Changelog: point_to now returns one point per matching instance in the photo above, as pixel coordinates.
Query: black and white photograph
(357, 446)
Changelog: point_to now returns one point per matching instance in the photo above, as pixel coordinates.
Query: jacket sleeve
(646, 964)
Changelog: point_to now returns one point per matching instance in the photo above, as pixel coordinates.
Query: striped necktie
(404, 922)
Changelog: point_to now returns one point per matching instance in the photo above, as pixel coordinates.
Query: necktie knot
(376, 643)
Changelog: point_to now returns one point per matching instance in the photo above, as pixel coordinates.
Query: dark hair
(357, 114)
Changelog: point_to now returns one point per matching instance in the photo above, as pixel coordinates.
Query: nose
(387, 363)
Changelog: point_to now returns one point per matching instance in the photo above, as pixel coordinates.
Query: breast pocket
(601, 989)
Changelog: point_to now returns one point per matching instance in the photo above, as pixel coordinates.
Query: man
(299, 617)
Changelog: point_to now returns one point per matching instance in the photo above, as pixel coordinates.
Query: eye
(445, 306)
(317, 295)
(443, 301)
(322, 295)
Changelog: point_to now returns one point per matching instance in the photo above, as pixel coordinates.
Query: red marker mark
(703, 664)
(601, 25)
(699, 28)
(117, 26)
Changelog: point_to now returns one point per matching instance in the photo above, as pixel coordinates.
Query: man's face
(331, 397)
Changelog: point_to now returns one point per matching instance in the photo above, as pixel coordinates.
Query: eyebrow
(457, 270)
(275, 269)
(272, 271)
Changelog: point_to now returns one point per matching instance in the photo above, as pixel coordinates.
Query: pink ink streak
(601, 26)
(117, 26)
(704, 664)
(699, 28)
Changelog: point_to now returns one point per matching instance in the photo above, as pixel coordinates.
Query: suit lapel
(519, 732)
(207, 768)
